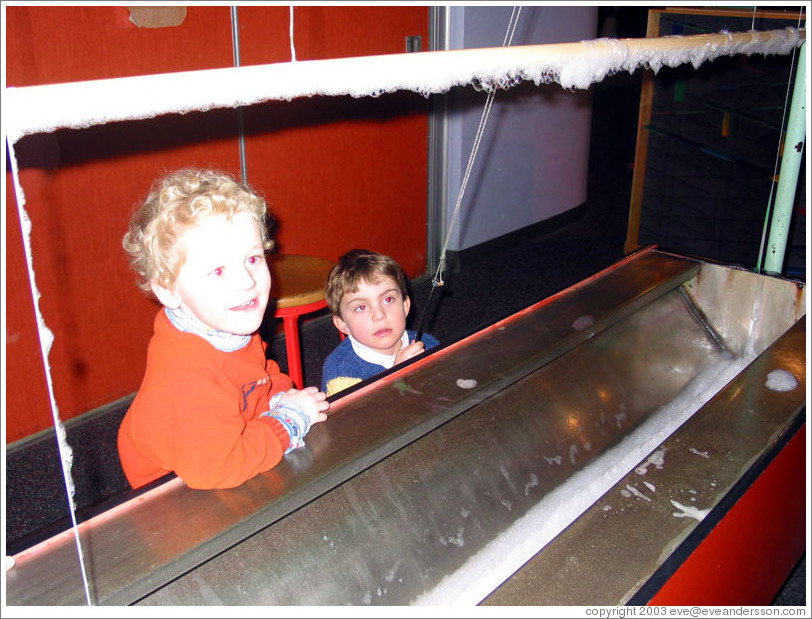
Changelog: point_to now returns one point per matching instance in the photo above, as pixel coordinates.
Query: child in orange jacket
(211, 407)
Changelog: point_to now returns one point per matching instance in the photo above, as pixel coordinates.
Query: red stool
(297, 284)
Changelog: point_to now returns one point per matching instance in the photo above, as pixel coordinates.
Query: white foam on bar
(38, 109)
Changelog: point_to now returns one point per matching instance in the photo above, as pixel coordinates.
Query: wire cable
(437, 280)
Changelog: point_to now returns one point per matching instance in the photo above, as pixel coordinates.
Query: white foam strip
(38, 109)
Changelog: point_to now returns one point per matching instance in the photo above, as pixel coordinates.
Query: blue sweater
(343, 368)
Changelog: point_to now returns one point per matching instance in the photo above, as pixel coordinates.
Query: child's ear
(407, 303)
(341, 325)
(167, 296)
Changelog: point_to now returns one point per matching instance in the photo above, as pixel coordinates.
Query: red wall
(337, 172)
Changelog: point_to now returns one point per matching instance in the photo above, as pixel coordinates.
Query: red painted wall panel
(332, 200)
(50, 44)
(25, 386)
(337, 173)
(354, 170)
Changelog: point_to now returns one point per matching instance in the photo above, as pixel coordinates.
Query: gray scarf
(221, 340)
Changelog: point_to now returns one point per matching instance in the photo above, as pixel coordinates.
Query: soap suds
(687, 511)
(781, 380)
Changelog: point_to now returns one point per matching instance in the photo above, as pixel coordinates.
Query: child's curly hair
(175, 202)
(357, 265)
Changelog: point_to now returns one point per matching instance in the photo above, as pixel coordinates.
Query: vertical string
(46, 337)
(437, 280)
(511, 30)
(292, 46)
(515, 12)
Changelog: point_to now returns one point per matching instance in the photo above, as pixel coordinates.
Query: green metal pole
(788, 174)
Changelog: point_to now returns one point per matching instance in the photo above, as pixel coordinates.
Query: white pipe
(790, 169)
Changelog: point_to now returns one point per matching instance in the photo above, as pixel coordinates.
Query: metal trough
(574, 453)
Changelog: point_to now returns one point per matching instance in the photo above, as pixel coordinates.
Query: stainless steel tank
(560, 456)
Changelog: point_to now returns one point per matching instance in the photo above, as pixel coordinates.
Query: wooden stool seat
(297, 285)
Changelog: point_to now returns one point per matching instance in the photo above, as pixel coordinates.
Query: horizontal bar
(44, 108)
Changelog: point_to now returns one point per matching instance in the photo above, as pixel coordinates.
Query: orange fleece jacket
(198, 410)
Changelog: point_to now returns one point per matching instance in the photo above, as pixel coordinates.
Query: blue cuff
(293, 419)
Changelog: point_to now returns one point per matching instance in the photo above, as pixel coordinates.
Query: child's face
(224, 282)
(375, 315)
